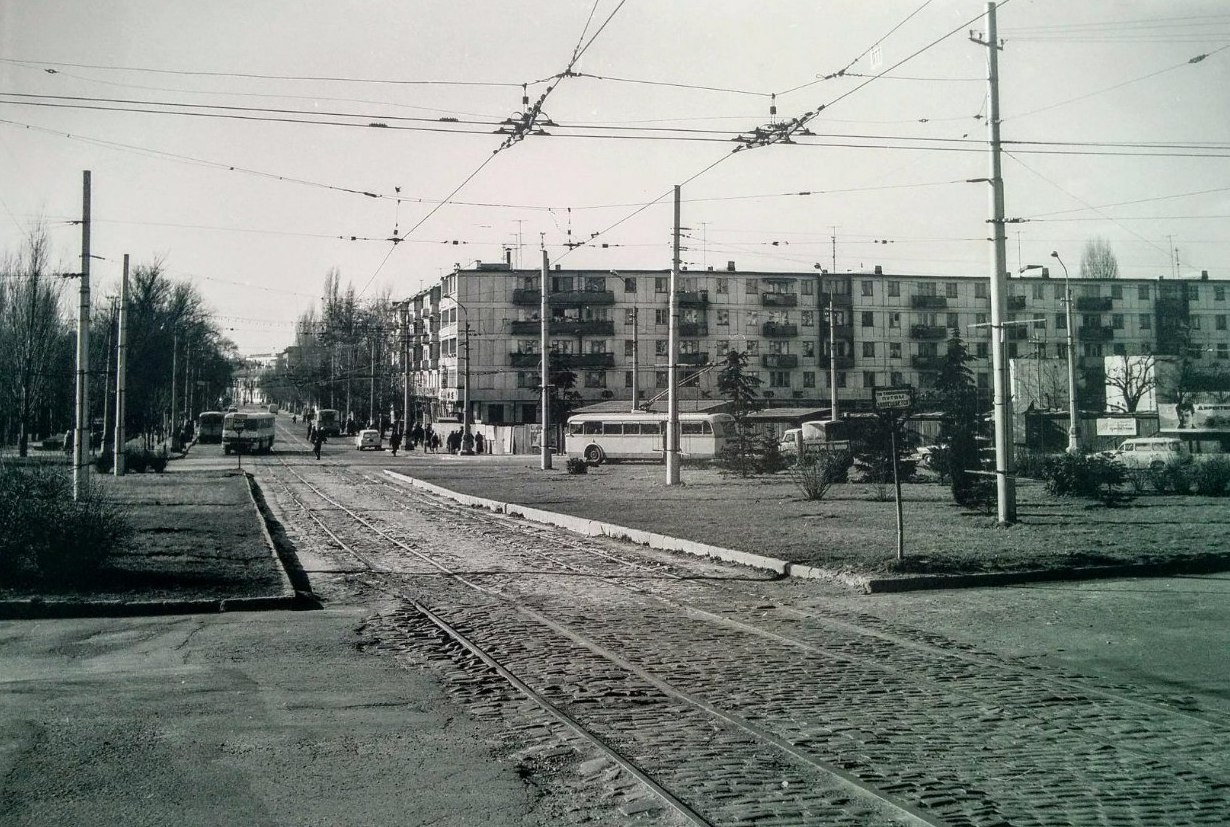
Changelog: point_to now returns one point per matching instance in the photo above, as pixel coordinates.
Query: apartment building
(478, 330)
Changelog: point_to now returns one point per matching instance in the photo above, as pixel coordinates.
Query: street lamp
(1073, 427)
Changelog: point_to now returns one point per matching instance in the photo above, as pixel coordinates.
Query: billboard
(1194, 416)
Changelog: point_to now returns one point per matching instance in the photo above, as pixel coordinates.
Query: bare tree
(1098, 260)
(1134, 378)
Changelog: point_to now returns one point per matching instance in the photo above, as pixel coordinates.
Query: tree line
(170, 331)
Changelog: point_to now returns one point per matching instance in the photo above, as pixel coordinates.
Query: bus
(209, 427)
(273, 408)
(328, 422)
(253, 436)
(599, 437)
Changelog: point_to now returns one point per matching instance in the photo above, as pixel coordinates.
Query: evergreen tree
(747, 453)
(958, 399)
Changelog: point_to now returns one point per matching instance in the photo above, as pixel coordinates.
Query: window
(1039, 291)
(927, 288)
(723, 318)
(1060, 291)
(928, 349)
(779, 379)
(1061, 321)
(660, 379)
(661, 284)
(807, 287)
(751, 286)
(566, 346)
(894, 288)
(1116, 321)
(1142, 291)
(595, 284)
(1219, 293)
(723, 286)
(1146, 321)
(980, 350)
(1194, 322)
(809, 378)
(723, 347)
(779, 317)
(595, 378)
(809, 318)
(981, 290)
(1223, 350)
(984, 381)
(869, 379)
(661, 315)
(952, 321)
(561, 284)
(527, 345)
(950, 289)
(1091, 291)
(894, 350)
(1116, 291)
(627, 378)
(1093, 349)
(982, 318)
(1193, 292)
(928, 319)
(1061, 350)
(527, 380)
(896, 378)
(868, 287)
(1091, 320)
(841, 378)
(1119, 349)
(869, 350)
(867, 319)
(809, 348)
(630, 285)
(894, 320)
(660, 346)
(753, 347)
(629, 348)
(1219, 322)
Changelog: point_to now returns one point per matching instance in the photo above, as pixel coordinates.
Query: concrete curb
(867, 583)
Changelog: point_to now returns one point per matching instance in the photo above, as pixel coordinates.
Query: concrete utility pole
(81, 436)
(672, 364)
(544, 362)
(1005, 483)
(636, 358)
(121, 375)
(834, 412)
(173, 429)
(1074, 446)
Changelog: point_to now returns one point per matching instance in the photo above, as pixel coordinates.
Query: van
(1150, 452)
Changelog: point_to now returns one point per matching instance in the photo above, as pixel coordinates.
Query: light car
(368, 438)
(1150, 452)
(789, 445)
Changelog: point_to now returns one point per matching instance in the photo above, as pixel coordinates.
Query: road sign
(888, 399)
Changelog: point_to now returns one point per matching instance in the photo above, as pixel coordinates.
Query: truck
(817, 435)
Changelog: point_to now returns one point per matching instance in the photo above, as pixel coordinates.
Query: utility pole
(121, 376)
(467, 440)
(107, 380)
(371, 393)
(544, 362)
(1005, 483)
(834, 412)
(173, 430)
(636, 358)
(672, 365)
(81, 437)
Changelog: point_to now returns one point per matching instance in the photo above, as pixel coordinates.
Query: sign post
(892, 405)
(237, 425)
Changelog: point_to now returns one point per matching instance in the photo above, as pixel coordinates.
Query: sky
(233, 141)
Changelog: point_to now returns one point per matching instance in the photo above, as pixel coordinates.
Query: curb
(866, 583)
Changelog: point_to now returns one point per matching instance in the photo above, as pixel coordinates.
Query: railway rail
(733, 708)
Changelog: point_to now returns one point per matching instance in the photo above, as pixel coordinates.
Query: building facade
(476, 334)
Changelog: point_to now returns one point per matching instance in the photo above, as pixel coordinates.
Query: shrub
(750, 455)
(104, 462)
(136, 461)
(1095, 477)
(1211, 476)
(1178, 477)
(158, 462)
(577, 465)
(1032, 464)
(816, 472)
(46, 535)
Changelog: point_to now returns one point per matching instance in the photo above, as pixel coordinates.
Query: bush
(1096, 477)
(136, 461)
(46, 535)
(577, 465)
(1032, 464)
(750, 455)
(1211, 476)
(1173, 477)
(104, 462)
(816, 472)
(158, 462)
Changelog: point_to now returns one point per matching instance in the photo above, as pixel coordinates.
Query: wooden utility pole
(81, 436)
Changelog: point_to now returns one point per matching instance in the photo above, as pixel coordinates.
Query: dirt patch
(198, 537)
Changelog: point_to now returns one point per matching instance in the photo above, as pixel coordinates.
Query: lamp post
(1073, 432)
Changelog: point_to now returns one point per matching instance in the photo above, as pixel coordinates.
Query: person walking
(395, 436)
(318, 439)
(416, 436)
(479, 443)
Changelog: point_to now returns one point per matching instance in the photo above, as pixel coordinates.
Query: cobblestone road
(741, 707)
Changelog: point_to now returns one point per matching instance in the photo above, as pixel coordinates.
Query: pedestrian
(416, 436)
(395, 436)
(479, 443)
(318, 439)
(435, 442)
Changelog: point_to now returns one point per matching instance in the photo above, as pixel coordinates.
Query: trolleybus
(327, 421)
(251, 433)
(599, 437)
(209, 426)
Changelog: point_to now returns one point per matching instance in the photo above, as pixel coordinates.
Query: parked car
(368, 438)
(1150, 452)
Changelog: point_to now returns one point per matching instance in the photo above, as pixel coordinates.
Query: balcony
(1093, 304)
(928, 331)
(583, 360)
(839, 363)
(933, 363)
(692, 330)
(1095, 334)
(779, 360)
(527, 296)
(836, 299)
(928, 302)
(779, 300)
(693, 298)
(559, 327)
(696, 359)
(777, 330)
(1016, 302)
(841, 331)
(523, 360)
(573, 298)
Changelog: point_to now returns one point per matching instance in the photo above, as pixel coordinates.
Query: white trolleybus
(641, 435)
(251, 433)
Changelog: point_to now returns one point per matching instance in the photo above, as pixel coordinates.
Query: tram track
(463, 518)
